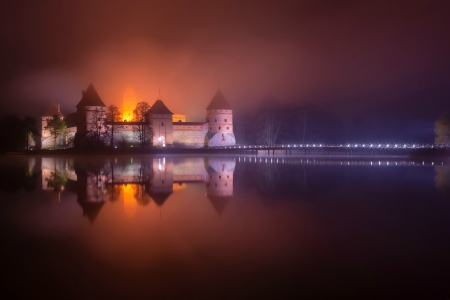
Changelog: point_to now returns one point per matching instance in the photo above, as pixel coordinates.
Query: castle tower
(219, 116)
(129, 104)
(220, 182)
(46, 138)
(160, 117)
(90, 110)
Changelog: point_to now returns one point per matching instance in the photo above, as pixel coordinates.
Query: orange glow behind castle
(129, 105)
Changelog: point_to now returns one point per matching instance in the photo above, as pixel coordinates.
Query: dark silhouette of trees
(269, 127)
(17, 134)
(98, 129)
(142, 130)
(442, 129)
(112, 119)
(275, 123)
(30, 130)
(57, 127)
(17, 175)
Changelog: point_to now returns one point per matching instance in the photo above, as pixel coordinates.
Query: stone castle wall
(189, 138)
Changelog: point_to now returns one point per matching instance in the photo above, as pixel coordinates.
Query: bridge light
(314, 145)
(371, 145)
(363, 145)
(379, 145)
(348, 145)
(395, 145)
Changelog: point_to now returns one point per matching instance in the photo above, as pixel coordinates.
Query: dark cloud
(370, 56)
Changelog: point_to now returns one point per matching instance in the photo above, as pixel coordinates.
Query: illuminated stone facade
(169, 130)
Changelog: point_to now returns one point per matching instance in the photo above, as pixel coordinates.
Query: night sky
(384, 62)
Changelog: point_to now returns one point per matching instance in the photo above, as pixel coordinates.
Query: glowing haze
(373, 56)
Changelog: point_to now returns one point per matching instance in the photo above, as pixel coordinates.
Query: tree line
(272, 123)
(17, 134)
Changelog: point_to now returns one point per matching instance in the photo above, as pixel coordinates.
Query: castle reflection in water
(145, 180)
(134, 180)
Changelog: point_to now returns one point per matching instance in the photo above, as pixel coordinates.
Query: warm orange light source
(129, 104)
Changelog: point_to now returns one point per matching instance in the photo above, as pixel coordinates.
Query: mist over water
(224, 226)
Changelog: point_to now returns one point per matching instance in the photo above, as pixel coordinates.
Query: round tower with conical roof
(219, 117)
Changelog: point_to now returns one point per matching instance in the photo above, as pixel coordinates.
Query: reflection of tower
(129, 104)
(91, 193)
(220, 185)
(161, 186)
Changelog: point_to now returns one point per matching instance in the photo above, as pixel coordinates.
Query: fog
(373, 60)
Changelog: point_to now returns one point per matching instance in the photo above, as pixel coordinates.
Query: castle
(169, 129)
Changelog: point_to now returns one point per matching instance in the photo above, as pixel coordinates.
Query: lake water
(224, 227)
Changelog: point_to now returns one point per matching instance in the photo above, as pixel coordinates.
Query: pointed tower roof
(159, 108)
(218, 102)
(219, 203)
(91, 98)
(53, 110)
(160, 198)
(91, 210)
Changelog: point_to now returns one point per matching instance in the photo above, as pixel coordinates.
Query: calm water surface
(224, 227)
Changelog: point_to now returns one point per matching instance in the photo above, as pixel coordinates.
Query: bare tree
(113, 122)
(269, 127)
(442, 129)
(97, 128)
(30, 129)
(142, 130)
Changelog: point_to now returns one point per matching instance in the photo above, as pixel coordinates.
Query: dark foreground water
(224, 227)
